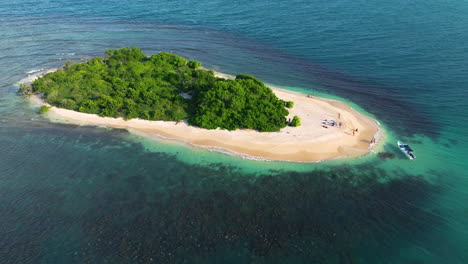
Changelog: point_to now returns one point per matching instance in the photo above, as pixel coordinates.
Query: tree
(295, 122)
(248, 77)
(89, 106)
(194, 64)
(68, 104)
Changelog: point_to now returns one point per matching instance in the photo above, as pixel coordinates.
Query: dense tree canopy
(239, 103)
(164, 86)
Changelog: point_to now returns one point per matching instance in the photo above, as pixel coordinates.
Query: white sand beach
(310, 142)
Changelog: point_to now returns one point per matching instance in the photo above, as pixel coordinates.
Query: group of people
(332, 123)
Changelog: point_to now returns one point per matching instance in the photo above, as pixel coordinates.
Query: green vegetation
(128, 84)
(25, 88)
(194, 64)
(289, 104)
(239, 103)
(44, 109)
(296, 121)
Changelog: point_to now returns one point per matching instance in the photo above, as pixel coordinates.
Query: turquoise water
(71, 194)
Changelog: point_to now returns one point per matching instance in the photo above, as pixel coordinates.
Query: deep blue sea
(77, 194)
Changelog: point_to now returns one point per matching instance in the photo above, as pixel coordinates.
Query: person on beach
(339, 115)
(353, 132)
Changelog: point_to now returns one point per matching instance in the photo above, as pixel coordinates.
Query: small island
(166, 96)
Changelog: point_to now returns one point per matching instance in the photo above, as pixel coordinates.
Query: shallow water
(73, 194)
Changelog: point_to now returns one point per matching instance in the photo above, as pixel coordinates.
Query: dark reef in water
(319, 215)
(146, 207)
(386, 155)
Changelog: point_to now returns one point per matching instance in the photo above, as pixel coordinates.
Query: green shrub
(295, 122)
(25, 88)
(289, 104)
(44, 109)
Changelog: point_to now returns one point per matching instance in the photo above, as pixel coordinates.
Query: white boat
(407, 150)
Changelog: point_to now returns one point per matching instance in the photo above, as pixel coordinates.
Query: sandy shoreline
(309, 142)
